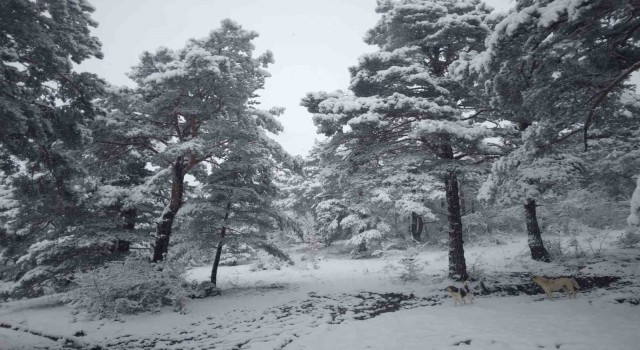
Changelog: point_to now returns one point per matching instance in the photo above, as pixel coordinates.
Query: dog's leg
(469, 295)
(571, 291)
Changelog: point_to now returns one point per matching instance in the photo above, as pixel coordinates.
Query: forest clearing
(366, 304)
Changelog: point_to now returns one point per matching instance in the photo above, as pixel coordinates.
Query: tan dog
(552, 284)
(460, 295)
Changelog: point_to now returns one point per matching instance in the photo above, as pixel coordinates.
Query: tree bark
(457, 262)
(417, 224)
(463, 200)
(538, 251)
(163, 228)
(223, 233)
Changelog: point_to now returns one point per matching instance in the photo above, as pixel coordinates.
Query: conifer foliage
(188, 109)
(44, 105)
(557, 70)
(45, 110)
(403, 101)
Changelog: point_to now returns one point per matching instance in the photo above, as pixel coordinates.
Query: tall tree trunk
(223, 233)
(538, 251)
(417, 224)
(457, 263)
(463, 200)
(163, 228)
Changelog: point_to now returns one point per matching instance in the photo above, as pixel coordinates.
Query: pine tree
(405, 102)
(236, 199)
(365, 204)
(557, 67)
(45, 110)
(44, 104)
(564, 61)
(186, 106)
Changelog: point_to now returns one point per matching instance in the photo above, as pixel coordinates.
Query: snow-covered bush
(487, 224)
(572, 248)
(203, 289)
(410, 266)
(582, 210)
(555, 249)
(476, 227)
(576, 247)
(634, 207)
(47, 266)
(477, 267)
(193, 252)
(236, 253)
(265, 261)
(629, 239)
(387, 254)
(313, 246)
(128, 287)
(570, 227)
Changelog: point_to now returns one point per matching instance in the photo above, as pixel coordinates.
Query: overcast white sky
(313, 42)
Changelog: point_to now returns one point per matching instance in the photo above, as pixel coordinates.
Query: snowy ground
(362, 304)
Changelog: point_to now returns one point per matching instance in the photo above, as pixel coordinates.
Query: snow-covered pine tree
(557, 67)
(45, 105)
(124, 190)
(45, 109)
(121, 192)
(528, 174)
(613, 156)
(236, 198)
(186, 106)
(298, 191)
(370, 203)
(405, 102)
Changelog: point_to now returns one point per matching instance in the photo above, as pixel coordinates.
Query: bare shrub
(410, 266)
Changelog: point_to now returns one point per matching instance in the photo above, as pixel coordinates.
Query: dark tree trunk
(538, 251)
(50, 161)
(216, 260)
(457, 263)
(129, 217)
(463, 200)
(417, 224)
(362, 247)
(120, 246)
(163, 229)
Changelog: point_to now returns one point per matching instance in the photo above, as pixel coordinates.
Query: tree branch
(600, 97)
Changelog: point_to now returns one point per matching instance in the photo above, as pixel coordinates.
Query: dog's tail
(575, 283)
(466, 287)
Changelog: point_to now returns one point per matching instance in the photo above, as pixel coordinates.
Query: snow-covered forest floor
(364, 304)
